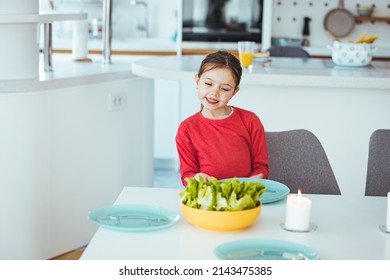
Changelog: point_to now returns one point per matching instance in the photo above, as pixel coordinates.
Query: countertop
(67, 72)
(280, 71)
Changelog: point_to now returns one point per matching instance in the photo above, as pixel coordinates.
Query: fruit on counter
(364, 38)
(226, 195)
(371, 39)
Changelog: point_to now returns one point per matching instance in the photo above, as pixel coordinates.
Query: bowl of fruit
(354, 53)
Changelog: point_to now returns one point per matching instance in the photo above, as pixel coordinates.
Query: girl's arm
(189, 166)
(260, 167)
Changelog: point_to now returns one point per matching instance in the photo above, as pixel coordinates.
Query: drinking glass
(246, 50)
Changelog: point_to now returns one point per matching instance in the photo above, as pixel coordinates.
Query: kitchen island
(341, 105)
(70, 140)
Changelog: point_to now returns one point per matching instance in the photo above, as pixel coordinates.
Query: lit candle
(388, 213)
(298, 212)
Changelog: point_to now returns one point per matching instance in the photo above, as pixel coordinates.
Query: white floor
(167, 178)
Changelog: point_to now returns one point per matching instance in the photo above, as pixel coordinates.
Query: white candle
(298, 212)
(388, 212)
(80, 39)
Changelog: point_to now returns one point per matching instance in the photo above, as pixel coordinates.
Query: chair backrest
(378, 166)
(288, 52)
(298, 160)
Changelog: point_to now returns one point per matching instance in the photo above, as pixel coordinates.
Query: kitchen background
(153, 25)
(130, 19)
(288, 16)
(162, 19)
(64, 138)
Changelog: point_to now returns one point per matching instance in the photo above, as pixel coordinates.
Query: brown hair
(222, 59)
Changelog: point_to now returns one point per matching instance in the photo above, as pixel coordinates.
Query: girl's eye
(225, 89)
(208, 84)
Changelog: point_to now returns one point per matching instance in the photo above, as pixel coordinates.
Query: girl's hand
(260, 175)
(204, 175)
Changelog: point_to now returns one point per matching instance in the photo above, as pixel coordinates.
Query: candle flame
(299, 195)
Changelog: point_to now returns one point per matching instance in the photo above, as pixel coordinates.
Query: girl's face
(215, 88)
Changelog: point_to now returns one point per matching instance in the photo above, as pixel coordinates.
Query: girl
(221, 140)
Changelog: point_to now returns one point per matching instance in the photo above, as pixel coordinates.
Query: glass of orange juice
(246, 50)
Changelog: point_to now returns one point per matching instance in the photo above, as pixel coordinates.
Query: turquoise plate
(264, 249)
(275, 191)
(133, 217)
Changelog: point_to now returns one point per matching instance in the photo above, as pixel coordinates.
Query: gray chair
(298, 160)
(288, 52)
(378, 166)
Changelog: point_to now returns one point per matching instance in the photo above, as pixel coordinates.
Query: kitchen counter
(341, 105)
(281, 71)
(67, 72)
(67, 146)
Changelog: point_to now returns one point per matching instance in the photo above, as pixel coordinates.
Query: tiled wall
(288, 19)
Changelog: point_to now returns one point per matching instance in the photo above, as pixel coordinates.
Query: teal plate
(133, 217)
(275, 191)
(264, 249)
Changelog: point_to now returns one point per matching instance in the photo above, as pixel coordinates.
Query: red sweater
(226, 148)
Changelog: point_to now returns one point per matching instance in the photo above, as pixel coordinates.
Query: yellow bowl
(221, 220)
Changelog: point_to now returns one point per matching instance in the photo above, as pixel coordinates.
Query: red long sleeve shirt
(226, 148)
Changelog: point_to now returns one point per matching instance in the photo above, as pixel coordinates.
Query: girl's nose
(214, 91)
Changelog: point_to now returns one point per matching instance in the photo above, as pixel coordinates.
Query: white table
(348, 228)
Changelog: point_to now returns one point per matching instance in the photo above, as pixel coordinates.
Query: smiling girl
(221, 140)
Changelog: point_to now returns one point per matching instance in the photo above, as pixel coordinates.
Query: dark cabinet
(222, 20)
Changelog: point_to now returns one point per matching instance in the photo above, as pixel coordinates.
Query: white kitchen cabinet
(64, 152)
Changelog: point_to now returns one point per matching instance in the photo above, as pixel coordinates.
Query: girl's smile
(211, 101)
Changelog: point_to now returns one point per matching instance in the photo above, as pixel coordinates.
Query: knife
(135, 219)
(266, 255)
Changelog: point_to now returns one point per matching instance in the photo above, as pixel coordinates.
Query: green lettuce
(227, 195)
